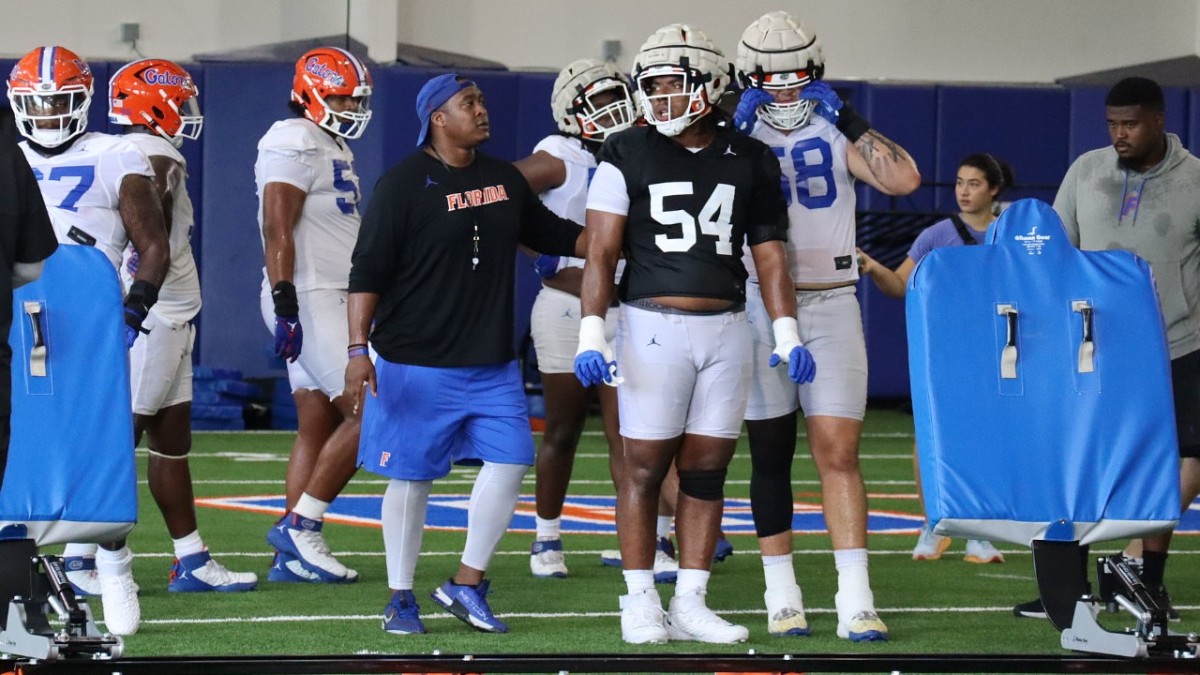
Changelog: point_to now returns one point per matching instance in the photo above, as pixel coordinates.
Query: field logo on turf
(581, 515)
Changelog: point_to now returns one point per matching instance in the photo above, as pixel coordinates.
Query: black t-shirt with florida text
(415, 249)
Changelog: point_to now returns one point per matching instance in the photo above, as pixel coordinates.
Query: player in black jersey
(680, 198)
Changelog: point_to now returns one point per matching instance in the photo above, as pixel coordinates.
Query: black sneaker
(1164, 600)
(1031, 610)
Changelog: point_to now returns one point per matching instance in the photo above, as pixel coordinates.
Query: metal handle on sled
(38, 352)
(1008, 357)
(1087, 345)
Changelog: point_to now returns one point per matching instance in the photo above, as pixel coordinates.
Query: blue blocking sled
(1041, 388)
(71, 473)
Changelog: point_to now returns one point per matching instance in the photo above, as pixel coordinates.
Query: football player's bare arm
(542, 170)
(605, 232)
(881, 163)
(360, 372)
(779, 295)
(142, 214)
(168, 174)
(282, 206)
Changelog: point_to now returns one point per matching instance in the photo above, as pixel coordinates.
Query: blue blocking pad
(1041, 388)
(71, 473)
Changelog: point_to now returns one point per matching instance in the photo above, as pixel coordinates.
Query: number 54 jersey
(81, 187)
(299, 153)
(691, 213)
(819, 191)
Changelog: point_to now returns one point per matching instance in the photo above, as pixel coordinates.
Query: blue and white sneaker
(301, 537)
(724, 549)
(81, 572)
(199, 573)
(402, 616)
(469, 604)
(546, 559)
(286, 568)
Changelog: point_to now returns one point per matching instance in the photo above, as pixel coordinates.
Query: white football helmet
(579, 107)
(681, 50)
(779, 52)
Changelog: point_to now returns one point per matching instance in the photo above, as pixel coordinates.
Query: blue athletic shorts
(425, 418)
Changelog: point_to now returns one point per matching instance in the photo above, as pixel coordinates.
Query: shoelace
(315, 540)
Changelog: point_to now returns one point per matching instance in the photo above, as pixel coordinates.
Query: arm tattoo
(882, 153)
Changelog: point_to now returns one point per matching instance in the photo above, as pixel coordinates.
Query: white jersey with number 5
(179, 297)
(819, 190)
(298, 153)
(81, 187)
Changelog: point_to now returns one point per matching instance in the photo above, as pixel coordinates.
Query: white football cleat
(119, 598)
(690, 619)
(642, 619)
(785, 613)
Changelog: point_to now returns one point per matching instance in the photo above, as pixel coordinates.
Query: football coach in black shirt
(26, 240)
(433, 268)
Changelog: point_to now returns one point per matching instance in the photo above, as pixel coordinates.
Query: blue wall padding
(71, 473)
(241, 102)
(887, 350)
(1003, 457)
(1022, 125)
(906, 114)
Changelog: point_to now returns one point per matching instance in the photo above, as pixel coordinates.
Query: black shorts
(1185, 380)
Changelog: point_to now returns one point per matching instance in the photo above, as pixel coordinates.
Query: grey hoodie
(1155, 214)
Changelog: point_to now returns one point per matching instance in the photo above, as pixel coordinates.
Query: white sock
(404, 505)
(778, 572)
(79, 550)
(548, 528)
(663, 527)
(189, 544)
(310, 507)
(113, 563)
(637, 581)
(854, 584)
(493, 501)
(691, 581)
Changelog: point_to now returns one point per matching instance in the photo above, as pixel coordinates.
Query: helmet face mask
(779, 52)
(789, 115)
(158, 95)
(330, 75)
(591, 99)
(50, 90)
(683, 52)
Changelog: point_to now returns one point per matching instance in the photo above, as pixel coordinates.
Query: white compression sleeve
(404, 505)
(493, 500)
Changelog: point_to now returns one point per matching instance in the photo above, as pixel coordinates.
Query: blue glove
(747, 109)
(594, 360)
(802, 368)
(592, 369)
(546, 266)
(133, 325)
(828, 103)
(289, 336)
(134, 261)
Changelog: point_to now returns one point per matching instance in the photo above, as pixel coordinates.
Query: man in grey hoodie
(1139, 194)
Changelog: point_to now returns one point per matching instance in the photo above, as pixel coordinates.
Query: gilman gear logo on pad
(1033, 242)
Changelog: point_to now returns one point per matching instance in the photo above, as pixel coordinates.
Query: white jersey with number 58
(299, 153)
(81, 187)
(819, 190)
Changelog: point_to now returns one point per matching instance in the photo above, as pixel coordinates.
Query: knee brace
(708, 486)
